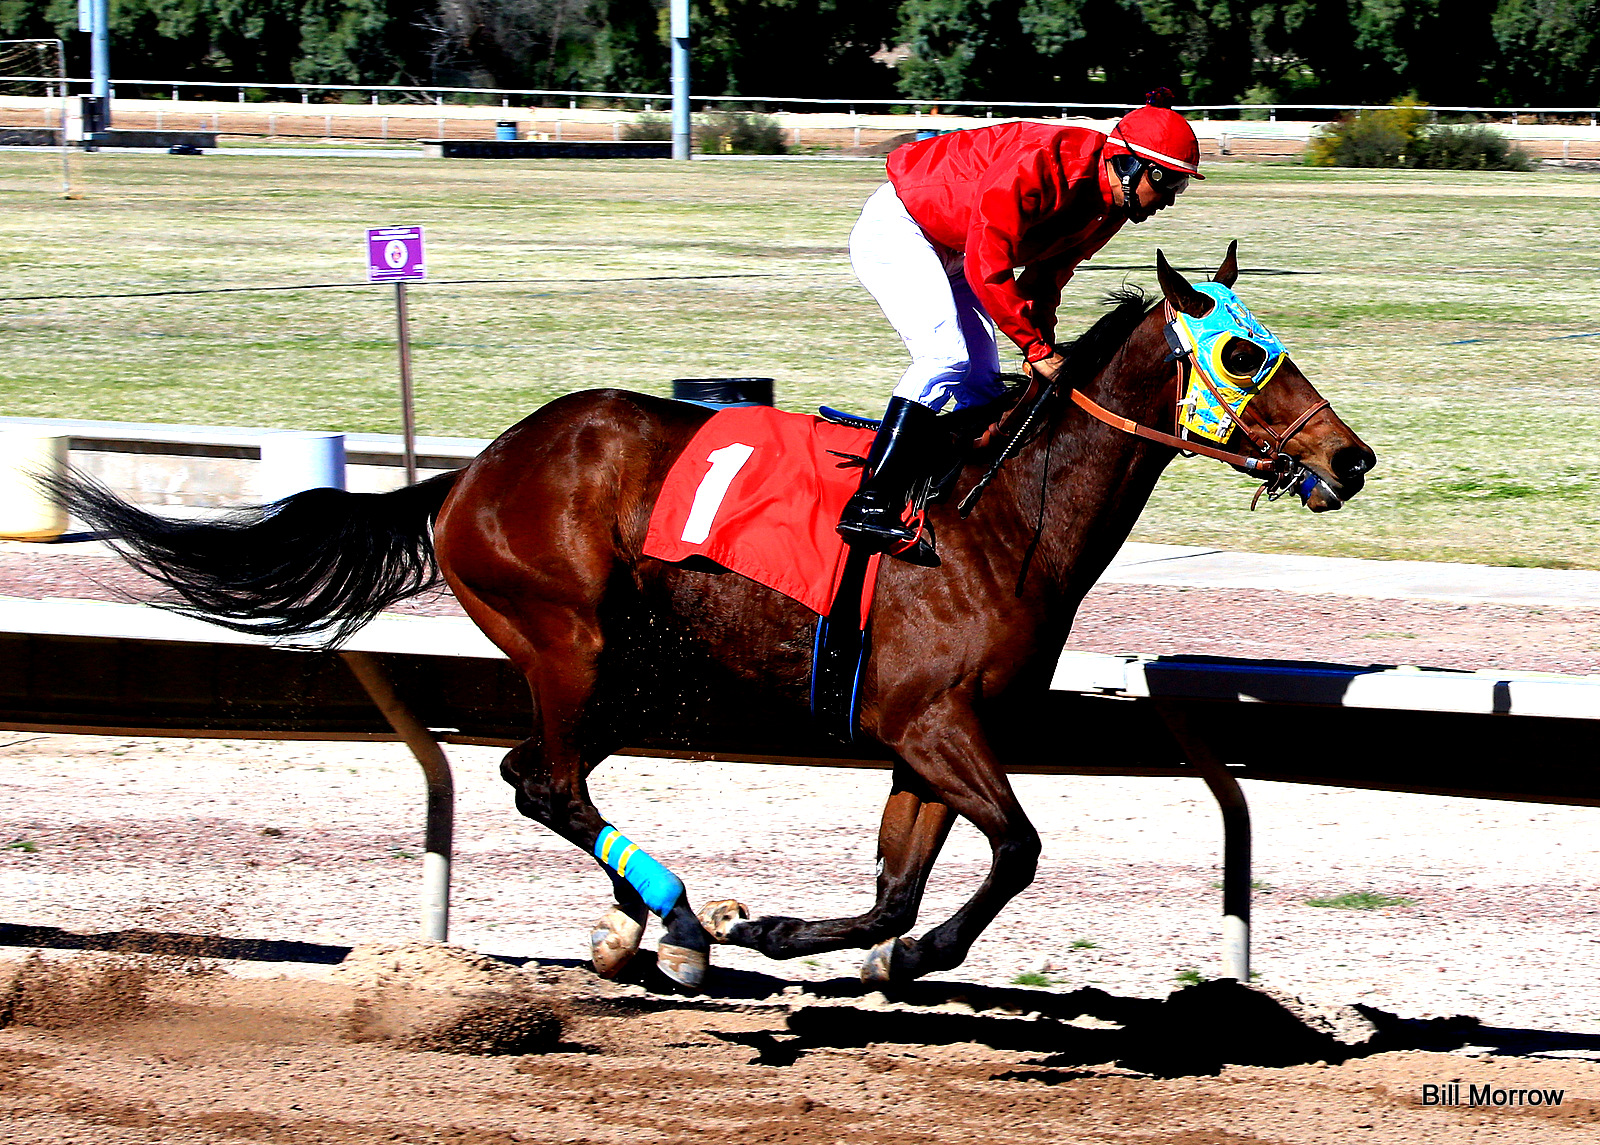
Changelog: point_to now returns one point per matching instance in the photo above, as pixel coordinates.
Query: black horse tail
(323, 562)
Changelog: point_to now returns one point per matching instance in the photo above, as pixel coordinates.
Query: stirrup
(873, 536)
(921, 554)
(872, 520)
(901, 543)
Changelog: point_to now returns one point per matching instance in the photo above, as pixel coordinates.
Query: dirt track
(200, 1059)
(316, 843)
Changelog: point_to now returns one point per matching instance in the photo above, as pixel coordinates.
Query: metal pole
(1235, 840)
(61, 90)
(100, 54)
(408, 421)
(681, 132)
(438, 834)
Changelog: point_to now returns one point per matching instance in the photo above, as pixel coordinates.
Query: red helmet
(1158, 134)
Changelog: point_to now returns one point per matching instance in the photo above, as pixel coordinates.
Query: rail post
(439, 829)
(295, 460)
(1235, 839)
(408, 422)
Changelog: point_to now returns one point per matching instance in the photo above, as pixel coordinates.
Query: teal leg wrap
(659, 887)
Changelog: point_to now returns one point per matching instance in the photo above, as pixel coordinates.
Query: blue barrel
(506, 130)
(295, 460)
(921, 135)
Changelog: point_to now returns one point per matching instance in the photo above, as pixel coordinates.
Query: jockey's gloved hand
(1046, 369)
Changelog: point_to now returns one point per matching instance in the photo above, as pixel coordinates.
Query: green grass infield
(1452, 318)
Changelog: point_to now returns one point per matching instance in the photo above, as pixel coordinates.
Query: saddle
(970, 432)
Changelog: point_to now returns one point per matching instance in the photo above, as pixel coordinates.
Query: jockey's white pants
(924, 293)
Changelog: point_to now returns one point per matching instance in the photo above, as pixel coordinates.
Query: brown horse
(540, 539)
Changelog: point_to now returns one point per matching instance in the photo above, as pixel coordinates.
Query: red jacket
(1017, 195)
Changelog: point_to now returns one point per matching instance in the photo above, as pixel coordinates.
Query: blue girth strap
(659, 887)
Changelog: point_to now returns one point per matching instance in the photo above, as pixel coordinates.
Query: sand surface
(318, 843)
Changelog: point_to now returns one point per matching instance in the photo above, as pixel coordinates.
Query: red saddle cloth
(758, 492)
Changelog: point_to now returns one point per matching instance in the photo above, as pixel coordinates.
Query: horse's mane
(1089, 353)
(1086, 355)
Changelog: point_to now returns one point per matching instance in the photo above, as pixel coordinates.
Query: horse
(540, 540)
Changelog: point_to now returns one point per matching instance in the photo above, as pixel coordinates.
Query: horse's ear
(1183, 297)
(1228, 273)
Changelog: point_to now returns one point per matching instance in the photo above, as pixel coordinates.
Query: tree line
(1530, 52)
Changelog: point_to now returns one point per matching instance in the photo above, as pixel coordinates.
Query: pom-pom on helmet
(1156, 140)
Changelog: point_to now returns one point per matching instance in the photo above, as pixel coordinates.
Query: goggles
(1169, 183)
(1234, 352)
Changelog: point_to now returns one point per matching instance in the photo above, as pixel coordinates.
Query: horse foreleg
(912, 831)
(953, 758)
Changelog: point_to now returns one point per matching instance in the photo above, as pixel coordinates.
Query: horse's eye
(1242, 359)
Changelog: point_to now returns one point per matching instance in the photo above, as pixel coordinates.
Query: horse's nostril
(1352, 461)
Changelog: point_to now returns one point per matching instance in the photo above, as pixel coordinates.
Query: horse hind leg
(551, 791)
(684, 955)
(558, 648)
(618, 934)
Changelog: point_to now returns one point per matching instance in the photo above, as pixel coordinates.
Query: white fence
(398, 114)
(97, 667)
(214, 90)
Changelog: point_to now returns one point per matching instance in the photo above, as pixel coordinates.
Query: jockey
(937, 246)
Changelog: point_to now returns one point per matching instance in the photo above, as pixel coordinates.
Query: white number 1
(725, 465)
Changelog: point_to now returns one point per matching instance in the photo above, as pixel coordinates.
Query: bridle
(1271, 461)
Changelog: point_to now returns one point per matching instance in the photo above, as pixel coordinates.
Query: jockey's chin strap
(1271, 462)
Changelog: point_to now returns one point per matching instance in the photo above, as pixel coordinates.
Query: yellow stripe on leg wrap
(659, 887)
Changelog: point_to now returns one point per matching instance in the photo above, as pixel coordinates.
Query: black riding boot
(899, 457)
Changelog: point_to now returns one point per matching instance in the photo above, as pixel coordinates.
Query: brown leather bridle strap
(1299, 423)
(1095, 410)
(1274, 442)
(1188, 445)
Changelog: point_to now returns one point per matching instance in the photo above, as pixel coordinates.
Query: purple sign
(394, 254)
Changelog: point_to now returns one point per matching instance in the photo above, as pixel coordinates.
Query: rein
(1280, 471)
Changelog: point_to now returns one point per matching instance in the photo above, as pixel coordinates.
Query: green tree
(1548, 51)
(812, 48)
(332, 41)
(514, 43)
(1048, 50)
(1443, 50)
(1212, 44)
(629, 48)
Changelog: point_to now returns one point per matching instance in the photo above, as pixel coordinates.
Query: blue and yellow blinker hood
(1200, 413)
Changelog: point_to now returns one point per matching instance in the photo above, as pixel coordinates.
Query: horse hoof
(879, 968)
(687, 968)
(614, 941)
(718, 918)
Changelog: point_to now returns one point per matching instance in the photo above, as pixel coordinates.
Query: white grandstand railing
(438, 94)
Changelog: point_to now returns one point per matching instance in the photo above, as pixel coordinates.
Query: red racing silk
(1017, 195)
(758, 491)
